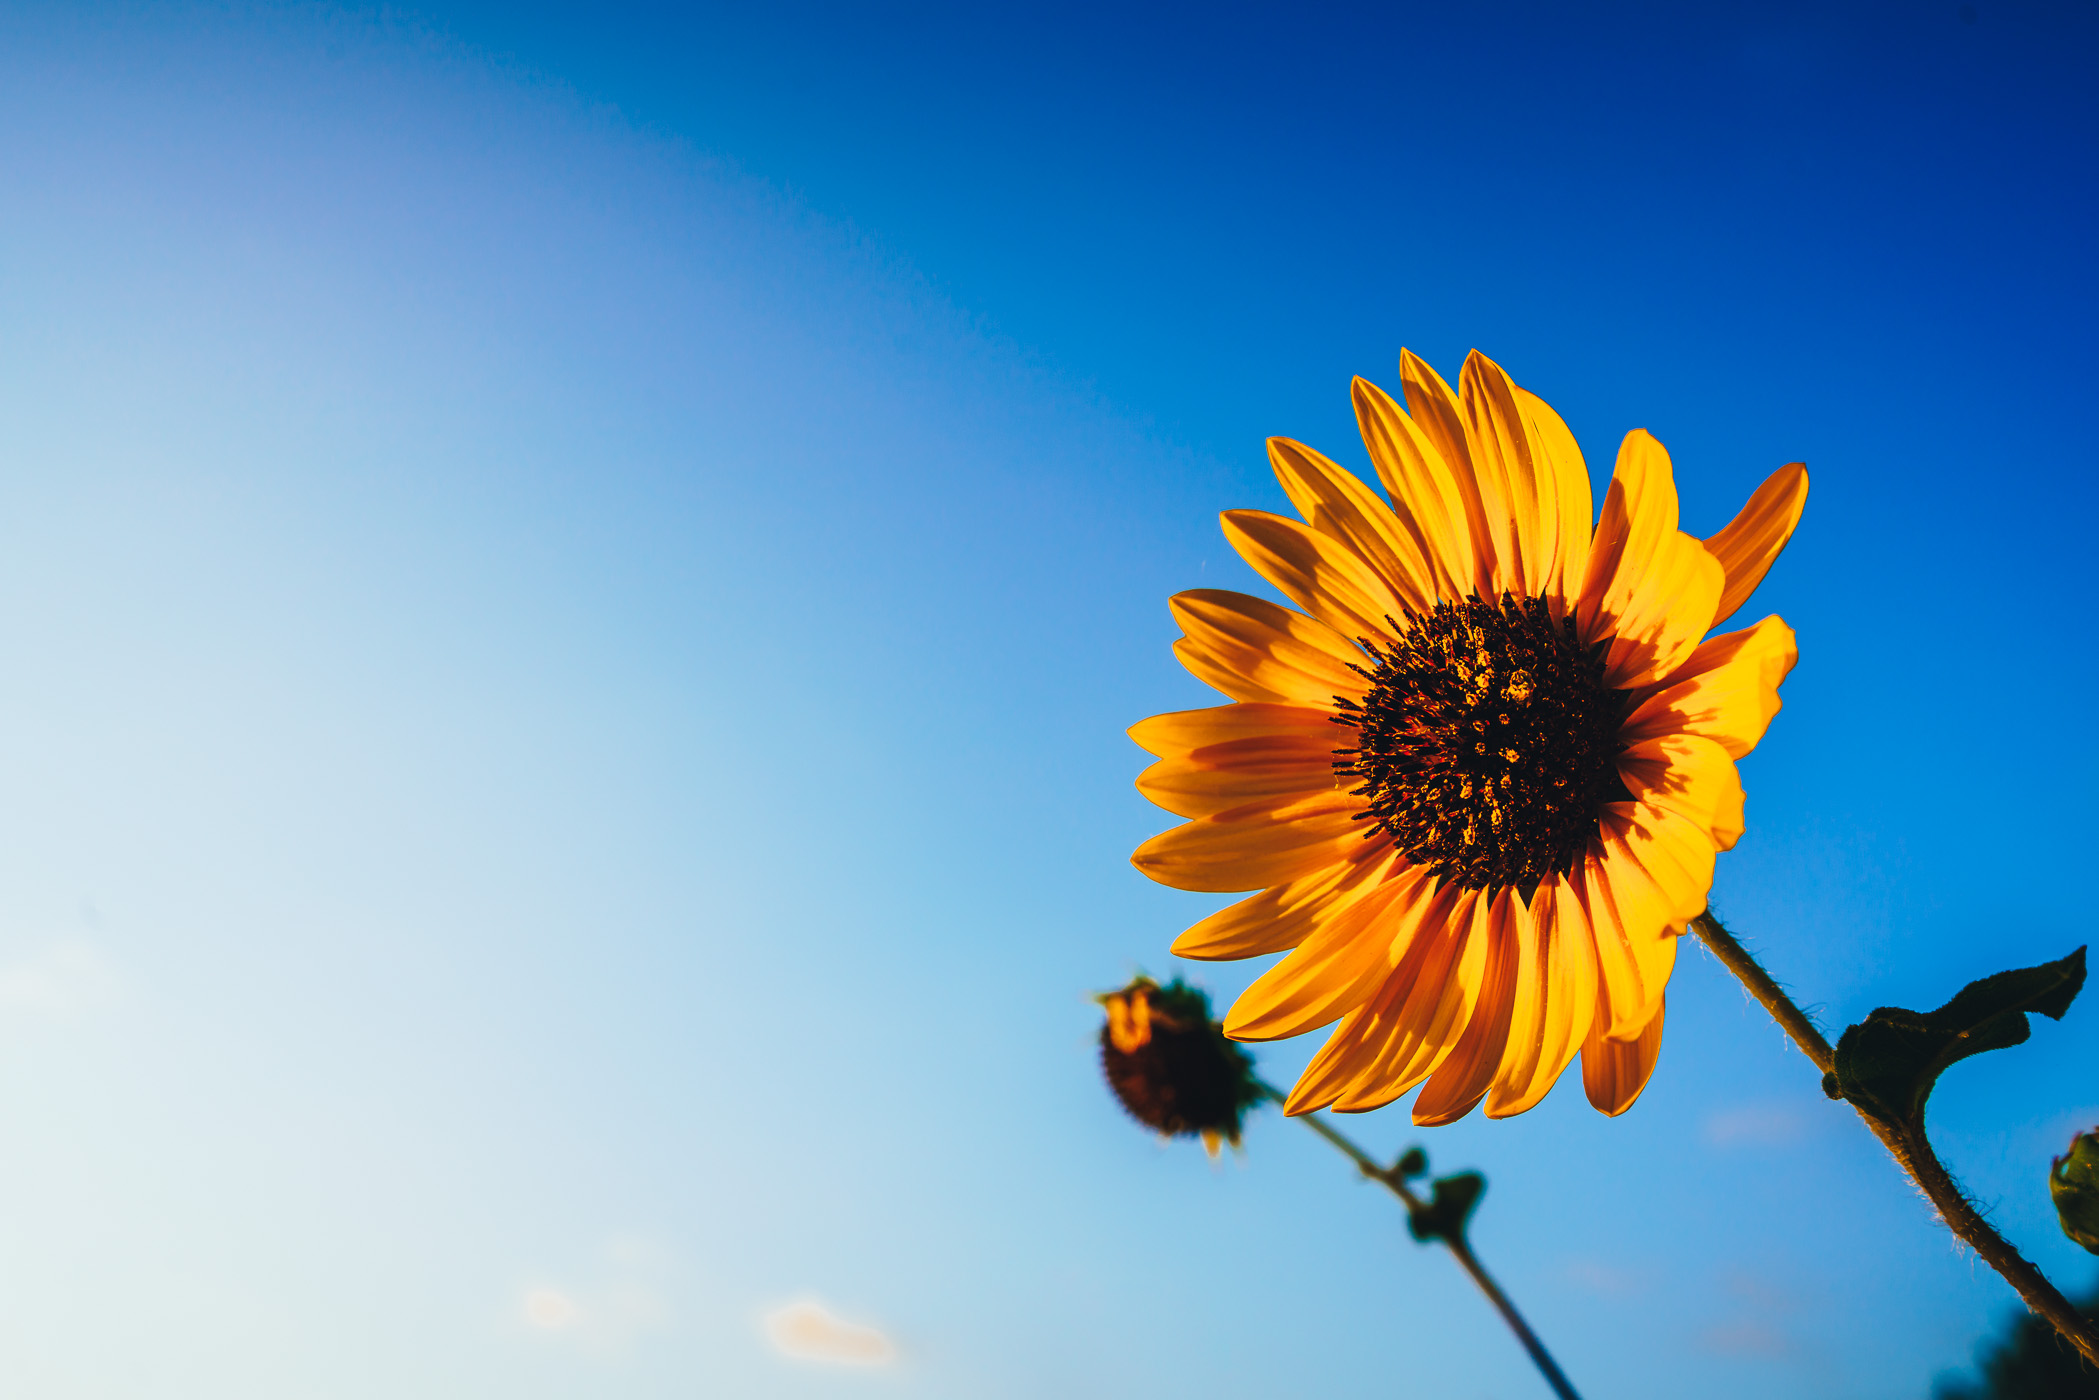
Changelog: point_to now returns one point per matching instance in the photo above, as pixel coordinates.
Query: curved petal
(1690, 775)
(1555, 1003)
(1650, 589)
(1563, 456)
(1338, 966)
(1422, 488)
(1255, 846)
(1334, 503)
(1321, 575)
(1727, 691)
(1632, 912)
(1437, 412)
(1396, 1039)
(1251, 649)
(1464, 1077)
(1181, 733)
(1752, 540)
(1526, 529)
(1189, 789)
(1615, 1071)
(1283, 917)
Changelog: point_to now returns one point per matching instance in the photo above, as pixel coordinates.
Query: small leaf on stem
(1449, 1209)
(1888, 1063)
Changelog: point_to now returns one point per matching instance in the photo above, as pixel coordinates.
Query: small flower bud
(1171, 1066)
(2074, 1182)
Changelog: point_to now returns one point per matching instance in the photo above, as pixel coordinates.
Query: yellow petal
(1334, 503)
(1555, 1005)
(1436, 411)
(1615, 1071)
(1726, 691)
(1691, 775)
(1633, 912)
(1650, 589)
(1338, 966)
(1526, 527)
(1253, 847)
(1464, 1077)
(1563, 456)
(1751, 542)
(1185, 732)
(1283, 917)
(1400, 1036)
(1189, 789)
(1321, 575)
(1251, 649)
(1422, 487)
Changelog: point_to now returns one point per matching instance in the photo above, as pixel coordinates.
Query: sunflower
(1480, 780)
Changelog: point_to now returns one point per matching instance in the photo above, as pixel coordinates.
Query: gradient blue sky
(572, 577)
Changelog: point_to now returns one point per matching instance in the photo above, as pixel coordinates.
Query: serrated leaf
(2073, 1181)
(1449, 1209)
(1888, 1063)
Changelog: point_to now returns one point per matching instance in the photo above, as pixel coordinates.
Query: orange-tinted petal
(1437, 412)
(1183, 732)
(1631, 915)
(1283, 917)
(1400, 1036)
(1691, 775)
(1338, 966)
(1252, 847)
(1334, 503)
(1422, 488)
(1251, 649)
(1189, 789)
(1560, 453)
(1555, 1001)
(1466, 1074)
(1615, 1071)
(1320, 574)
(1751, 542)
(1526, 527)
(1231, 755)
(1727, 690)
(1651, 589)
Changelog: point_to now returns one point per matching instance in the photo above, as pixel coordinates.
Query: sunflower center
(1488, 742)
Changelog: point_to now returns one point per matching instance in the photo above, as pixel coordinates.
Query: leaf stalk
(1910, 1146)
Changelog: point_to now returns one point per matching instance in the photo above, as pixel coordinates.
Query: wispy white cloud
(56, 983)
(551, 1310)
(1611, 1280)
(621, 1298)
(1746, 1339)
(807, 1330)
(1756, 1125)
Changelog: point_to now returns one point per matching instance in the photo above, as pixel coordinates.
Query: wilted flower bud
(1171, 1065)
(2074, 1182)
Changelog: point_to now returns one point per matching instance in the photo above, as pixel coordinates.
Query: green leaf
(1448, 1210)
(1888, 1063)
(1412, 1163)
(2074, 1183)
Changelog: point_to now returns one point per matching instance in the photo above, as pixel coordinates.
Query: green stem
(1390, 1178)
(1911, 1149)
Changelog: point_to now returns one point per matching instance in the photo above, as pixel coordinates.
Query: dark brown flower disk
(1171, 1066)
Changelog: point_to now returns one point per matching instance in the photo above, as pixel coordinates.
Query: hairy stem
(1461, 1249)
(1911, 1149)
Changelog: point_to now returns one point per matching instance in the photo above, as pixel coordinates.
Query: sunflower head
(1171, 1066)
(1476, 778)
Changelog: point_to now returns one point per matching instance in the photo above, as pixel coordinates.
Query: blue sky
(573, 578)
